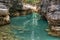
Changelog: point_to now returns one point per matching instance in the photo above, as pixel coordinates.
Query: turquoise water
(23, 28)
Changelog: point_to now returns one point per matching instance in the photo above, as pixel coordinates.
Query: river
(22, 28)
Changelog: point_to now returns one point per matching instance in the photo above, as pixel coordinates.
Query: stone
(4, 15)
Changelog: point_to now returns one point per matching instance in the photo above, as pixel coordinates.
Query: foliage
(15, 6)
(32, 1)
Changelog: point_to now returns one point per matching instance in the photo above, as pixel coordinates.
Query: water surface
(22, 28)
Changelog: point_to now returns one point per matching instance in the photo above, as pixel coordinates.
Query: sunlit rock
(53, 17)
(4, 15)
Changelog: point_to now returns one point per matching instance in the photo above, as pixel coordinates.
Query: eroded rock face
(4, 15)
(4, 20)
(53, 17)
(54, 14)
